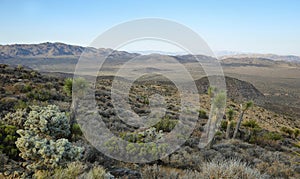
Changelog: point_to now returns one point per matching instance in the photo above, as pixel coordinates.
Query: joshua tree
(230, 114)
(243, 110)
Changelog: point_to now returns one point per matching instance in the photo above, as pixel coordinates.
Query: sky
(257, 26)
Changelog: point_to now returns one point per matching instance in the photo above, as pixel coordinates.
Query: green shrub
(148, 135)
(223, 125)
(219, 100)
(79, 85)
(40, 95)
(202, 114)
(218, 133)
(269, 139)
(272, 136)
(76, 131)
(142, 145)
(296, 132)
(20, 105)
(68, 86)
(166, 124)
(251, 124)
(8, 137)
(287, 130)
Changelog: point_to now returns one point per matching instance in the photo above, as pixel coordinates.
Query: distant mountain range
(47, 49)
(64, 51)
(39, 50)
(288, 58)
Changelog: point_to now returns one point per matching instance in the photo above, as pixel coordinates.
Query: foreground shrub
(48, 121)
(157, 171)
(71, 171)
(97, 172)
(42, 141)
(234, 169)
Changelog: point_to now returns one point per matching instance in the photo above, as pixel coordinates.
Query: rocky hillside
(237, 90)
(267, 144)
(39, 50)
(21, 87)
(52, 50)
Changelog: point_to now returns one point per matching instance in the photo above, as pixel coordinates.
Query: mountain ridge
(58, 49)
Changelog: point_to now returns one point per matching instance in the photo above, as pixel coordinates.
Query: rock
(297, 168)
(125, 173)
(6, 173)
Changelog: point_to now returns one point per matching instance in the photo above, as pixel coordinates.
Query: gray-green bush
(43, 140)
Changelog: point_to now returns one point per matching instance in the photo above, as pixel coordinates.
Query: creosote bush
(296, 132)
(43, 141)
(166, 124)
(287, 130)
(252, 124)
(76, 132)
(202, 114)
(8, 137)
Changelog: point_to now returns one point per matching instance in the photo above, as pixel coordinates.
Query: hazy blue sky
(264, 26)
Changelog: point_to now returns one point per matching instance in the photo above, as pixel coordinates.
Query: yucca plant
(230, 114)
(243, 108)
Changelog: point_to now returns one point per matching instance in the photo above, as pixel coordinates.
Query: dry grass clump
(157, 171)
(97, 172)
(276, 169)
(234, 169)
(72, 171)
